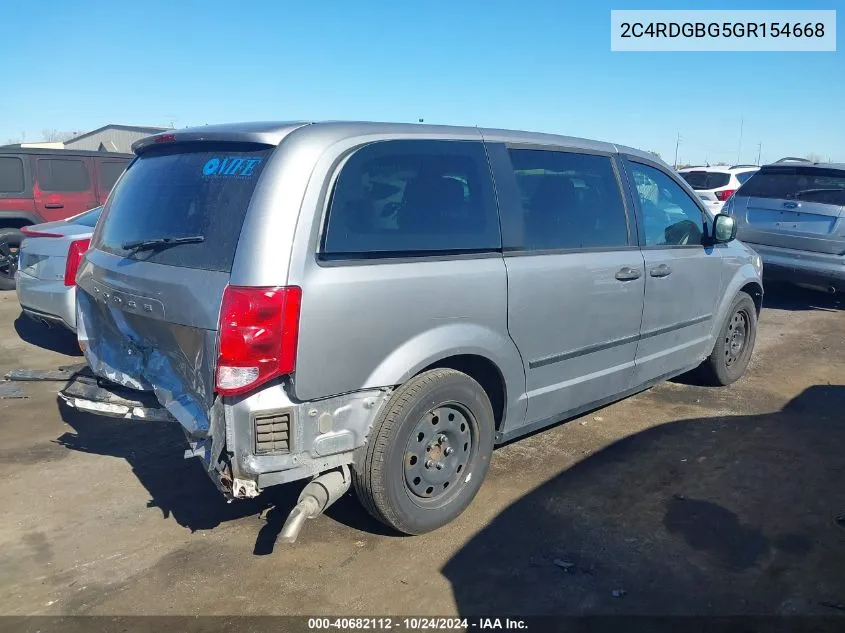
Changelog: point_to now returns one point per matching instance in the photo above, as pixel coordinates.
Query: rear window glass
(826, 186)
(109, 173)
(62, 174)
(89, 218)
(11, 175)
(699, 180)
(401, 198)
(198, 191)
(743, 177)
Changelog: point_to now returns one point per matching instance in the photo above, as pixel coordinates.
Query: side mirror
(724, 229)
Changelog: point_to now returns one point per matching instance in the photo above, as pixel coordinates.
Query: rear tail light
(258, 336)
(74, 258)
(724, 194)
(28, 232)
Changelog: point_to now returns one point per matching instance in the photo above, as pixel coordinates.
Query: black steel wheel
(437, 452)
(428, 452)
(732, 352)
(736, 337)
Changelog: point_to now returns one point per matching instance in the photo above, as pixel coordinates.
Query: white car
(714, 185)
(47, 262)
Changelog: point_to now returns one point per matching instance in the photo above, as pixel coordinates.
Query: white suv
(714, 185)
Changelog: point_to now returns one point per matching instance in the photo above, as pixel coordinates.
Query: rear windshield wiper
(161, 242)
(802, 192)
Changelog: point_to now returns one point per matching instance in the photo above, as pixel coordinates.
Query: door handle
(54, 205)
(660, 271)
(627, 274)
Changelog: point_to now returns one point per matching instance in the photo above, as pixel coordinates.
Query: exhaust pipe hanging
(319, 494)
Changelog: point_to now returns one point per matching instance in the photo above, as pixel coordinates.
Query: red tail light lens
(258, 335)
(725, 194)
(74, 258)
(28, 232)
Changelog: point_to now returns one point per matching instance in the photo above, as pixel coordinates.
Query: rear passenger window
(569, 200)
(11, 175)
(401, 198)
(109, 173)
(62, 174)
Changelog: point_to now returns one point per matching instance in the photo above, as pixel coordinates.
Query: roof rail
(738, 166)
(793, 159)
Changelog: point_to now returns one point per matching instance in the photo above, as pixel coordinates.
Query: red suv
(44, 185)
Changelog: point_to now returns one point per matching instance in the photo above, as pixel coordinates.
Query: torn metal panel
(245, 489)
(148, 354)
(320, 431)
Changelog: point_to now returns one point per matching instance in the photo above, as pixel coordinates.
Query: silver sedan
(47, 261)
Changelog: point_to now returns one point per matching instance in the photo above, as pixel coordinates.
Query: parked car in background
(714, 185)
(382, 303)
(46, 185)
(49, 257)
(793, 214)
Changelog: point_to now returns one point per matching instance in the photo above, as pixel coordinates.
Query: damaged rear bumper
(306, 438)
(86, 392)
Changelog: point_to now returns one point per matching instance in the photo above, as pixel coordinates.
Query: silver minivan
(381, 304)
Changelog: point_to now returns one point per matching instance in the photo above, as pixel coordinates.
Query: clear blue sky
(540, 65)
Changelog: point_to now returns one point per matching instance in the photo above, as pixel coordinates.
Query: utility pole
(677, 143)
(739, 149)
(759, 151)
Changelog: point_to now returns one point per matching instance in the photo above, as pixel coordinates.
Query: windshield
(202, 190)
(812, 184)
(699, 180)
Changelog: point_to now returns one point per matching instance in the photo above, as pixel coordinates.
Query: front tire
(734, 345)
(428, 452)
(10, 242)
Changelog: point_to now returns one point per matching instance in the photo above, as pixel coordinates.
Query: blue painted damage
(119, 352)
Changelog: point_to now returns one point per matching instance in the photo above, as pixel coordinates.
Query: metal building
(111, 138)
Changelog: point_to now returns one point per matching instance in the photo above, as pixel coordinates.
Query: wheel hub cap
(736, 336)
(437, 452)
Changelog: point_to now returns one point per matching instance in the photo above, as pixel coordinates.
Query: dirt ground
(681, 500)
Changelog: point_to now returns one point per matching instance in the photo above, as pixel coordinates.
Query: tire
(10, 241)
(726, 364)
(392, 476)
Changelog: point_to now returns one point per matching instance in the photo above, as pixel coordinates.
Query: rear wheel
(732, 351)
(10, 242)
(427, 453)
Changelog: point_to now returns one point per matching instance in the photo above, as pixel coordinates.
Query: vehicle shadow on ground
(56, 339)
(786, 297)
(181, 489)
(720, 515)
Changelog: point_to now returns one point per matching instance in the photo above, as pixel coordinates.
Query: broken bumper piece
(86, 392)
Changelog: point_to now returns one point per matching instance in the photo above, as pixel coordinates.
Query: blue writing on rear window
(231, 167)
